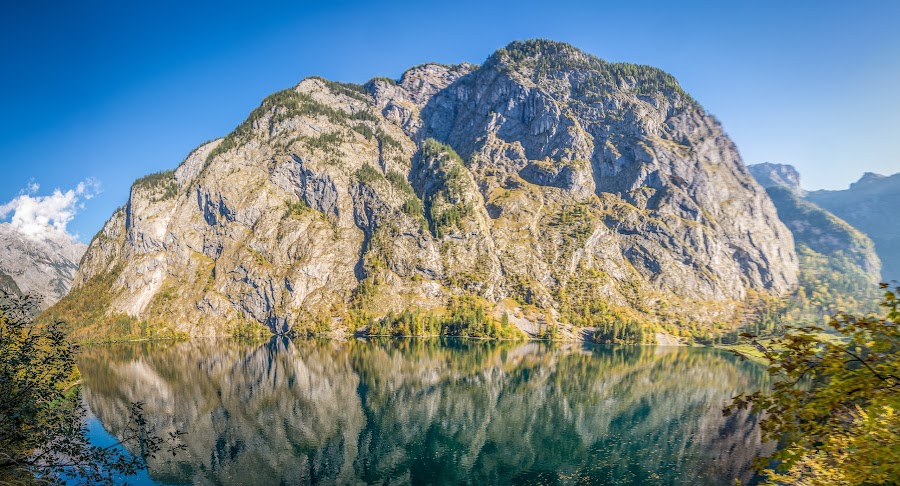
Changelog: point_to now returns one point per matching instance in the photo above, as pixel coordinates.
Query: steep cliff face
(40, 266)
(546, 176)
(867, 205)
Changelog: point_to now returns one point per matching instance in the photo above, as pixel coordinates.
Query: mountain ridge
(545, 183)
(839, 267)
(863, 205)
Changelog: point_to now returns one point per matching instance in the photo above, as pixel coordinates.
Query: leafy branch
(835, 417)
(43, 439)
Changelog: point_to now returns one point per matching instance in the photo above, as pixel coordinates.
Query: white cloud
(45, 217)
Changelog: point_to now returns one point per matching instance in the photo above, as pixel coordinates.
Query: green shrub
(392, 82)
(282, 106)
(164, 180)
(352, 90)
(43, 439)
(445, 204)
(412, 207)
(363, 130)
(248, 329)
(617, 330)
(368, 175)
(596, 77)
(399, 181)
(387, 141)
(295, 208)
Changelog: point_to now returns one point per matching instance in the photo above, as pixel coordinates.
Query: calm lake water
(426, 411)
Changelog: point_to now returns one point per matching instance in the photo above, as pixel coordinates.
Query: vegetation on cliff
(544, 57)
(84, 315)
(466, 316)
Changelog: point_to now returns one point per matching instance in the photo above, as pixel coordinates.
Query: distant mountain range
(40, 266)
(866, 205)
(870, 205)
(839, 266)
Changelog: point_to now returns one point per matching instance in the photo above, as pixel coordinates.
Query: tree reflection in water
(432, 411)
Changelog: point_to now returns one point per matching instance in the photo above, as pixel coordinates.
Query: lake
(429, 411)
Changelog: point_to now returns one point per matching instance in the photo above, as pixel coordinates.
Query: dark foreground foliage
(834, 404)
(43, 439)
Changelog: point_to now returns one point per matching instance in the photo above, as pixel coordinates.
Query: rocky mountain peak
(777, 175)
(533, 51)
(551, 65)
(43, 266)
(868, 179)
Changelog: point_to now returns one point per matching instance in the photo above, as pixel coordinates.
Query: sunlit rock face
(413, 411)
(559, 172)
(42, 266)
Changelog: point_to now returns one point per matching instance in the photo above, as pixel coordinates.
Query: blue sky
(109, 91)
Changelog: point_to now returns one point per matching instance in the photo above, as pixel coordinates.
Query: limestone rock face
(41, 266)
(545, 175)
(778, 175)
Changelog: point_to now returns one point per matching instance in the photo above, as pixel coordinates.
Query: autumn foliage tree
(43, 439)
(834, 404)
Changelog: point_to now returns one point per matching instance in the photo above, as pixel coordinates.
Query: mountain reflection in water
(421, 411)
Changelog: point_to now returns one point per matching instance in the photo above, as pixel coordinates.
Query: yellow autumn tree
(834, 405)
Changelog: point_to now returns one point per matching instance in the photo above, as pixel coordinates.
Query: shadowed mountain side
(867, 205)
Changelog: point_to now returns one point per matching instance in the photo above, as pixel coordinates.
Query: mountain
(41, 266)
(868, 205)
(546, 183)
(777, 175)
(811, 225)
(839, 267)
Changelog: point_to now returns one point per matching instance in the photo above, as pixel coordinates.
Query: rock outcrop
(778, 175)
(545, 176)
(40, 266)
